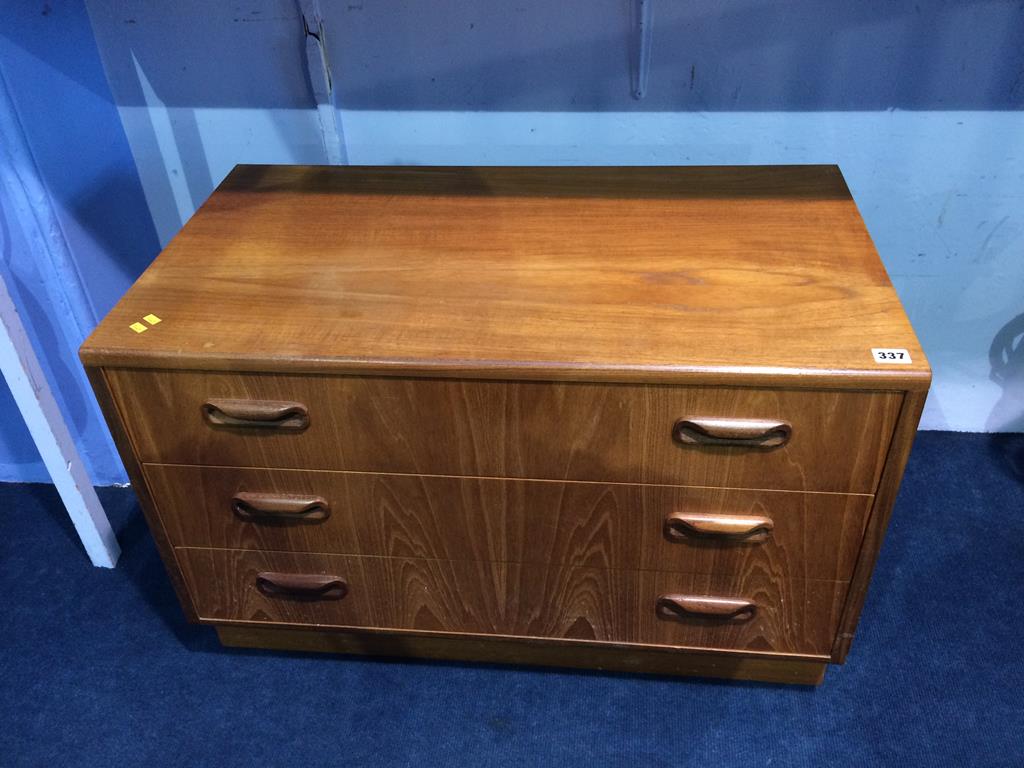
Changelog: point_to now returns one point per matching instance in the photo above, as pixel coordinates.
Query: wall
(918, 103)
(74, 227)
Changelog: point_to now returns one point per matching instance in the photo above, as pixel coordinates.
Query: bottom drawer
(465, 597)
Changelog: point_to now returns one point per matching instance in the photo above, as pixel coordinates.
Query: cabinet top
(727, 275)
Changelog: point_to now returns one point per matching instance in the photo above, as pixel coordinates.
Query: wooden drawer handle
(682, 607)
(301, 586)
(272, 414)
(682, 526)
(749, 433)
(279, 508)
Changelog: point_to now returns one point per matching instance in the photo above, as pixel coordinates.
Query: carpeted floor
(99, 668)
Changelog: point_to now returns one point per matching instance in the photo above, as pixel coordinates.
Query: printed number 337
(891, 356)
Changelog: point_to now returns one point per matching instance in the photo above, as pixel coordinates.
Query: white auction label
(891, 356)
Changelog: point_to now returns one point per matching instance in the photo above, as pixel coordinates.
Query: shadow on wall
(24, 271)
(125, 233)
(79, 226)
(71, 125)
(533, 55)
(203, 86)
(1006, 356)
(878, 87)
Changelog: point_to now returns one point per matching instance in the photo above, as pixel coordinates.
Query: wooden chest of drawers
(648, 419)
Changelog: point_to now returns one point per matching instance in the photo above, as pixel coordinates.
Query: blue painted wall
(920, 103)
(53, 75)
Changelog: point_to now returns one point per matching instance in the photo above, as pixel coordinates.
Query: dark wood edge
(504, 651)
(880, 378)
(116, 424)
(567, 642)
(878, 520)
(499, 479)
(527, 563)
(770, 168)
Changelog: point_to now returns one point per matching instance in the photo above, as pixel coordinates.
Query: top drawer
(576, 431)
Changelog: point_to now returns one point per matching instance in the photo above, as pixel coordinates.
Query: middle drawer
(650, 527)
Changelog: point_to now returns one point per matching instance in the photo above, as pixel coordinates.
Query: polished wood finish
(797, 616)
(687, 526)
(885, 499)
(687, 607)
(504, 429)
(445, 596)
(743, 433)
(598, 525)
(624, 418)
(608, 657)
(746, 275)
(230, 412)
(279, 508)
(117, 424)
(301, 586)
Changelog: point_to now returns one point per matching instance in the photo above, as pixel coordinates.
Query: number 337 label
(891, 356)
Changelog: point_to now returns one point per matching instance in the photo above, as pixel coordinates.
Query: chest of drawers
(622, 418)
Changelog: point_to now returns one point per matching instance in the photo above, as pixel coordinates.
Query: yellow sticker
(138, 327)
(152, 319)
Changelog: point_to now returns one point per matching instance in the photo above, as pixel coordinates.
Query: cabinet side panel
(118, 430)
(885, 498)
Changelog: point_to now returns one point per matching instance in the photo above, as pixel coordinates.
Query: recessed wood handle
(301, 586)
(749, 433)
(682, 607)
(266, 414)
(681, 526)
(279, 508)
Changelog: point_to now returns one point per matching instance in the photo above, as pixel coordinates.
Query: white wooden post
(46, 424)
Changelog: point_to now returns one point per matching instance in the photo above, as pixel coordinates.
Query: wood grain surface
(122, 440)
(452, 407)
(735, 275)
(492, 650)
(601, 432)
(814, 535)
(473, 598)
(878, 522)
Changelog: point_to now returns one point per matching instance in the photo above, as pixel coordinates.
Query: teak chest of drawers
(646, 419)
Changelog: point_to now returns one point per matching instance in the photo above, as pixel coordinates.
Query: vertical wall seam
(321, 81)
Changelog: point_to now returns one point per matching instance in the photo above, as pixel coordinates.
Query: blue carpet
(99, 667)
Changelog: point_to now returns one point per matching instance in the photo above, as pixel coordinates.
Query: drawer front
(688, 530)
(549, 430)
(510, 599)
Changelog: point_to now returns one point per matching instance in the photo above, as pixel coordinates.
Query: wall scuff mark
(642, 18)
